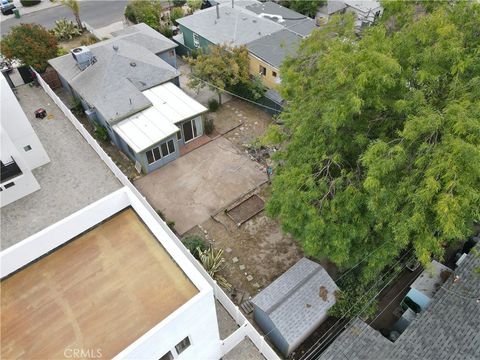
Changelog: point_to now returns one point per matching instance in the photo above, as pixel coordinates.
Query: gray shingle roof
(293, 301)
(143, 35)
(448, 329)
(301, 24)
(235, 26)
(274, 48)
(113, 84)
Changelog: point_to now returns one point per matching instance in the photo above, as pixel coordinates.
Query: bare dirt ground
(258, 248)
(75, 42)
(240, 122)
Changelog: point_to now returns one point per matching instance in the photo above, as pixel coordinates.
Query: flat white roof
(170, 105)
(430, 279)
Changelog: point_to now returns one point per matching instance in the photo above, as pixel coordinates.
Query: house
(269, 31)
(366, 11)
(447, 329)
(295, 304)
(21, 150)
(131, 79)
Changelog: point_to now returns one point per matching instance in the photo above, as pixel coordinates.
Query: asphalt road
(96, 13)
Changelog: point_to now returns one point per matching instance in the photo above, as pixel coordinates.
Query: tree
(75, 7)
(146, 11)
(381, 143)
(308, 8)
(32, 44)
(220, 69)
(176, 13)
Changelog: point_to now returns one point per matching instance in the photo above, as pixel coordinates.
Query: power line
(325, 338)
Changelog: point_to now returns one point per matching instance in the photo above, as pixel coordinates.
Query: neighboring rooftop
(447, 329)
(66, 182)
(103, 290)
(431, 279)
(298, 300)
(122, 68)
(235, 26)
(290, 19)
(148, 127)
(274, 48)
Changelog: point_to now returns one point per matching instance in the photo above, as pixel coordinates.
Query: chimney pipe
(233, 3)
(218, 11)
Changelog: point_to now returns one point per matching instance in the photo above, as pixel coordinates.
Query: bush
(194, 244)
(66, 30)
(89, 40)
(179, 3)
(61, 51)
(213, 105)
(209, 126)
(166, 31)
(30, 2)
(32, 44)
(176, 13)
(76, 106)
(101, 133)
(148, 12)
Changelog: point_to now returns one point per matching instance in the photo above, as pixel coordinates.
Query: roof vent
(133, 64)
(254, 20)
(115, 47)
(244, 18)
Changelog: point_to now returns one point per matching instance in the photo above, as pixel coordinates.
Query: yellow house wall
(268, 80)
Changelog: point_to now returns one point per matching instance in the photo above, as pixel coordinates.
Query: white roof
(430, 279)
(170, 105)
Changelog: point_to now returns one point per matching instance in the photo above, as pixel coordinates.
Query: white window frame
(196, 40)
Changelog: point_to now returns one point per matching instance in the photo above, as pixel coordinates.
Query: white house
(21, 150)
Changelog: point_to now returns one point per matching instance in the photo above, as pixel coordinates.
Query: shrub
(209, 126)
(194, 244)
(194, 5)
(148, 12)
(89, 40)
(213, 105)
(101, 133)
(61, 51)
(212, 261)
(176, 13)
(76, 106)
(30, 2)
(179, 3)
(66, 30)
(32, 44)
(166, 30)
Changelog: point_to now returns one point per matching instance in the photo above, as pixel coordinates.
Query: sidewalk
(45, 4)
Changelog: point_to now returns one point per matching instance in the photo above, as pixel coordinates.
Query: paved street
(96, 13)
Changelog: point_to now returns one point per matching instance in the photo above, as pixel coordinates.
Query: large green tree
(32, 44)
(381, 142)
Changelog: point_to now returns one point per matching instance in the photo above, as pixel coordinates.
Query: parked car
(7, 7)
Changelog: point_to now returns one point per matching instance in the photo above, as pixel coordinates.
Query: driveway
(199, 184)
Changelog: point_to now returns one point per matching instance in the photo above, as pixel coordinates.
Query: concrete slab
(74, 178)
(197, 185)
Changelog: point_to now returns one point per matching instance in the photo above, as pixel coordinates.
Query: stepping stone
(205, 231)
(235, 259)
(242, 267)
(249, 278)
(228, 250)
(256, 285)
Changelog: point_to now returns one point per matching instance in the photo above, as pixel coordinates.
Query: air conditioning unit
(83, 56)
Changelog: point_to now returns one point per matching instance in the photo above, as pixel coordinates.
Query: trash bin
(16, 12)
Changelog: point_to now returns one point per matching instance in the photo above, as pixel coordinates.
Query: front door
(189, 130)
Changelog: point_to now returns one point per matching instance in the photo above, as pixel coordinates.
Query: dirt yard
(255, 253)
(240, 122)
(75, 42)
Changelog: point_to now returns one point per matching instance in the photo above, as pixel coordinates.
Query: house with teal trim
(129, 85)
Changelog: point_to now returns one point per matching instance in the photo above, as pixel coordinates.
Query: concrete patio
(199, 184)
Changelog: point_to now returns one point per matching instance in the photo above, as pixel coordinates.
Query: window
(182, 345)
(196, 40)
(263, 70)
(171, 53)
(179, 135)
(158, 152)
(9, 185)
(27, 148)
(167, 356)
(274, 73)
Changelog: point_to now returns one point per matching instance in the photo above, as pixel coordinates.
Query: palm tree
(75, 7)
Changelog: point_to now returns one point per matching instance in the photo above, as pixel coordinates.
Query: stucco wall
(169, 56)
(268, 80)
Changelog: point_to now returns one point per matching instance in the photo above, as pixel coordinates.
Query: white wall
(23, 184)
(21, 133)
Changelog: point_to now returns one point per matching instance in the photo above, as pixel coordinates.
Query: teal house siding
(188, 39)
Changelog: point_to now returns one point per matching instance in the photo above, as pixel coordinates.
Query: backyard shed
(295, 304)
